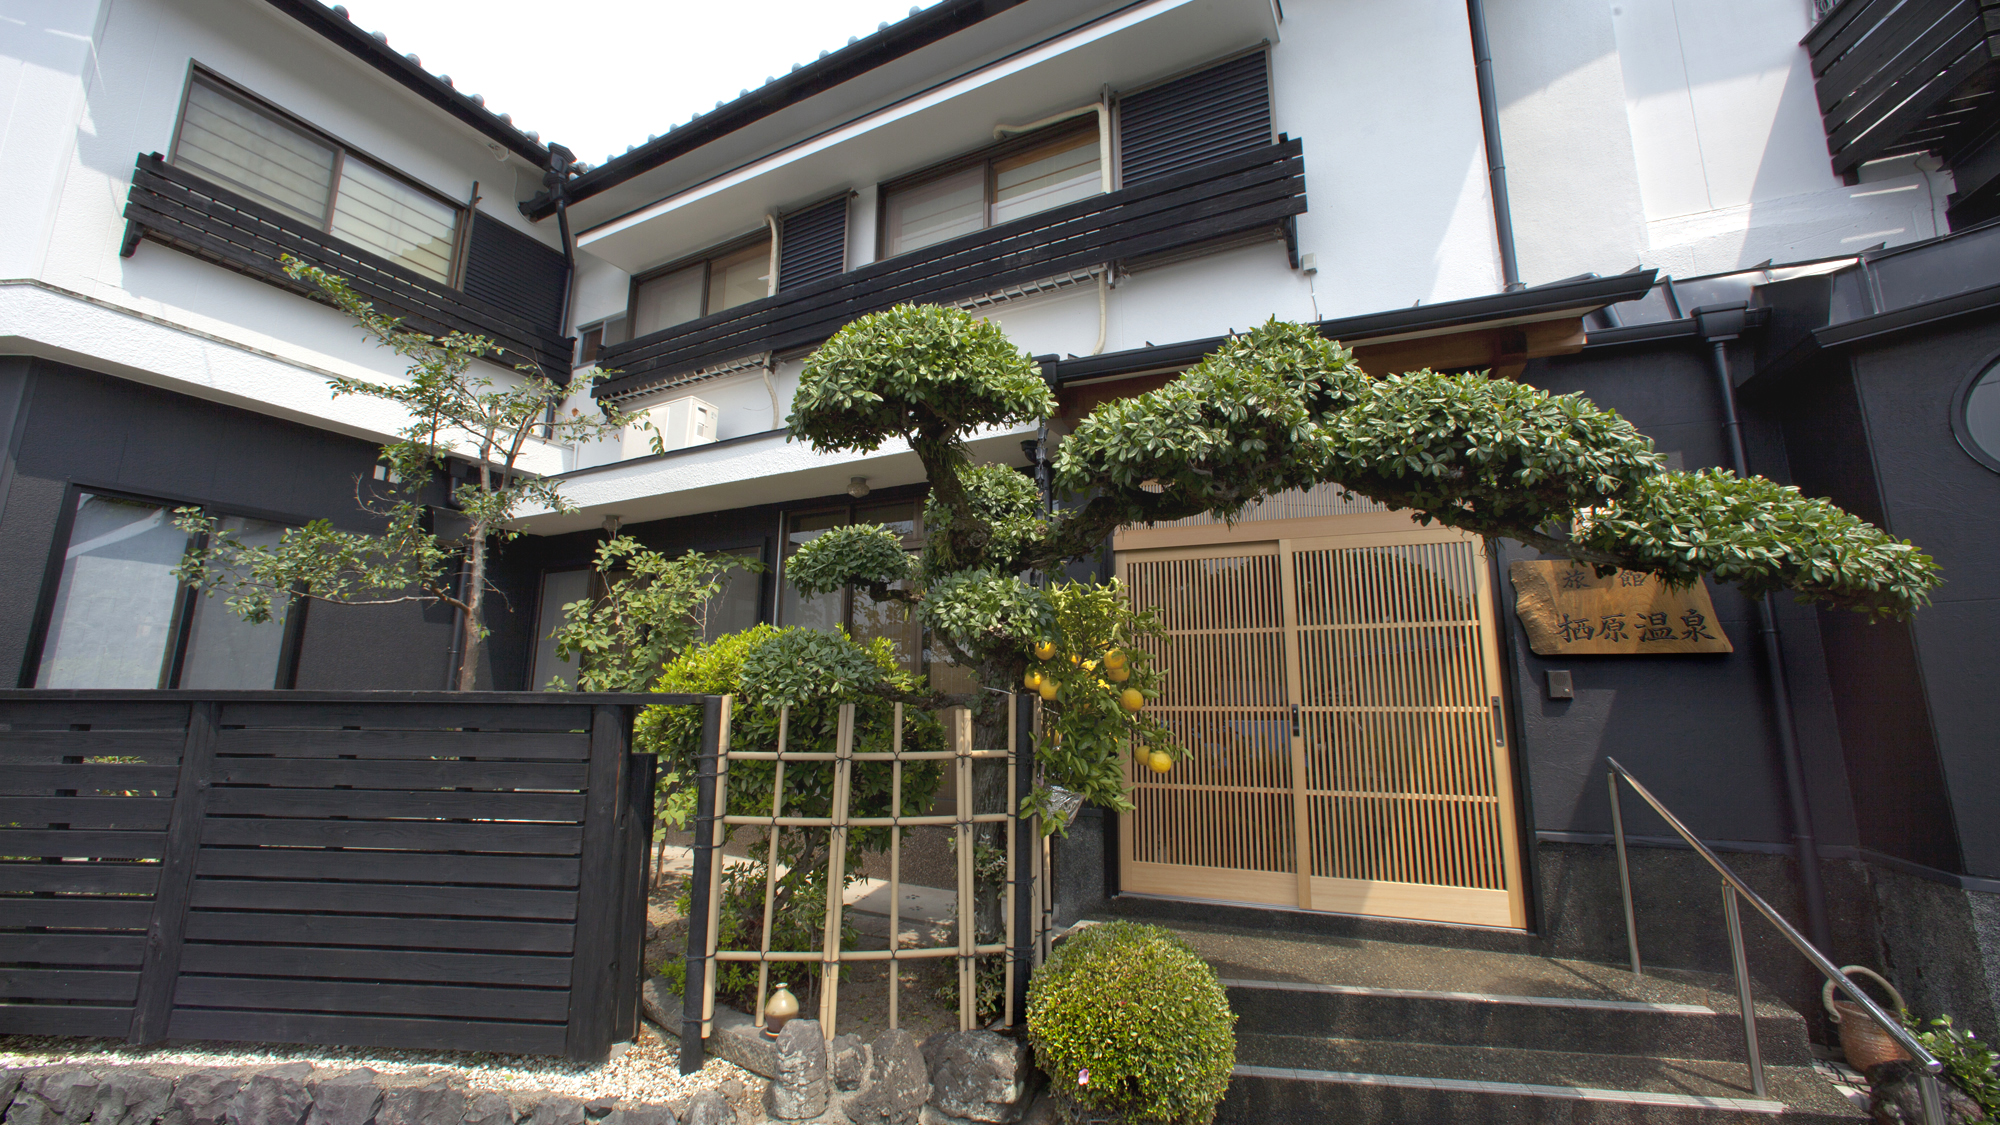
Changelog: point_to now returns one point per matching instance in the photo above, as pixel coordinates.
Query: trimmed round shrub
(1130, 1025)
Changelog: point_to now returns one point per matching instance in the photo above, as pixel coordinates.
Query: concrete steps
(1354, 1030)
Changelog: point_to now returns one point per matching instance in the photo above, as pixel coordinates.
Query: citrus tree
(1273, 409)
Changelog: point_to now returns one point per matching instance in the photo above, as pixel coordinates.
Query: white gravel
(648, 1071)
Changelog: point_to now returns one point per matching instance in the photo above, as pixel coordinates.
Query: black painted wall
(1937, 496)
(79, 427)
(1697, 729)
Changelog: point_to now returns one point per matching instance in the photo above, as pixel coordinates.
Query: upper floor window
(264, 154)
(1044, 169)
(689, 290)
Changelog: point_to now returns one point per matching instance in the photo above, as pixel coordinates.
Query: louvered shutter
(1195, 119)
(813, 244)
(507, 268)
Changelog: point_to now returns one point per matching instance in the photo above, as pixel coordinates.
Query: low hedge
(1131, 1025)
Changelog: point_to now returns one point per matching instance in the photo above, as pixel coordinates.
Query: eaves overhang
(904, 37)
(1554, 301)
(334, 26)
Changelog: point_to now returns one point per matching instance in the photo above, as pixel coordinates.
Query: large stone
(798, 1091)
(489, 1108)
(847, 1061)
(59, 1095)
(732, 1035)
(554, 1109)
(349, 1098)
(645, 1113)
(978, 1075)
(273, 1097)
(661, 1004)
(202, 1098)
(709, 1108)
(898, 1085)
(10, 1080)
(130, 1097)
(436, 1102)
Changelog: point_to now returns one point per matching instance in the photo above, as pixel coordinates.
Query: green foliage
(798, 924)
(1005, 503)
(767, 668)
(984, 613)
(453, 410)
(1125, 1018)
(1969, 1063)
(860, 554)
(1086, 730)
(1279, 408)
(652, 607)
(914, 370)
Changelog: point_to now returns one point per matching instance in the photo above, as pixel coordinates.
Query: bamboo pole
(1013, 868)
(836, 872)
(960, 728)
(895, 859)
(771, 865)
(715, 868)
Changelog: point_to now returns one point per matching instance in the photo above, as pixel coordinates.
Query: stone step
(1284, 1078)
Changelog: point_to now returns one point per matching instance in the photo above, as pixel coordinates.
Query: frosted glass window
(1982, 414)
(225, 651)
(670, 299)
(734, 607)
(378, 212)
(559, 588)
(257, 151)
(932, 212)
(740, 278)
(114, 612)
(1046, 177)
(819, 611)
(256, 154)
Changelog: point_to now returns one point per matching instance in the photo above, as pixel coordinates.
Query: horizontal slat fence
(371, 869)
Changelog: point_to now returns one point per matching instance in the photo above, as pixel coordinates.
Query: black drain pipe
(1717, 325)
(1496, 161)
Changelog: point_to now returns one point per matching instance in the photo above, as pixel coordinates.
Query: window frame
(1085, 124)
(706, 259)
(1961, 426)
(461, 226)
(185, 602)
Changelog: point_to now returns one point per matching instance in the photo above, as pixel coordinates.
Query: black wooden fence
(461, 871)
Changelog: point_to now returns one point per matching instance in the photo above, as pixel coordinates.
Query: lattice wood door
(1341, 695)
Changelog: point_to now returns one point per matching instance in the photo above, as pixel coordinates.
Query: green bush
(1970, 1064)
(798, 922)
(1126, 1020)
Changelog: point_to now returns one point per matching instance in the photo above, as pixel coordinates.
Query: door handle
(1295, 720)
(1499, 724)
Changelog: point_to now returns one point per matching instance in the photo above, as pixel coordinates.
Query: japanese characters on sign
(1567, 608)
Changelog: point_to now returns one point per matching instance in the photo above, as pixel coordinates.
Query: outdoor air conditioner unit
(681, 423)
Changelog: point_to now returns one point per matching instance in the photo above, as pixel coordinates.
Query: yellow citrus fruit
(1115, 658)
(1118, 672)
(1045, 650)
(1075, 659)
(1048, 689)
(1130, 699)
(1140, 754)
(1159, 761)
(1090, 665)
(1033, 679)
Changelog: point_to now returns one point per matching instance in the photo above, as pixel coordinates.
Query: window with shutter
(507, 268)
(813, 243)
(1197, 118)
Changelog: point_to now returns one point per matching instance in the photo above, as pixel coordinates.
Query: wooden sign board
(1568, 610)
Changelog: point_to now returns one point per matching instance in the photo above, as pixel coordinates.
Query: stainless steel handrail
(1732, 886)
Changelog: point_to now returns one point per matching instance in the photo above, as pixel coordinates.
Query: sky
(600, 75)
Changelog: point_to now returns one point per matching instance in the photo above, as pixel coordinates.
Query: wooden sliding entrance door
(1339, 686)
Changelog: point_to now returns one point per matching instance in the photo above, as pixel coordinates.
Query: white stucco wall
(1682, 134)
(90, 86)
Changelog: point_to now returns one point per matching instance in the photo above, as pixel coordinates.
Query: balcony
(1896, 77)
(176, 208)
(1245, 193)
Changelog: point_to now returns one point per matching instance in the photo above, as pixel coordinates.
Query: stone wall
(300, 1094)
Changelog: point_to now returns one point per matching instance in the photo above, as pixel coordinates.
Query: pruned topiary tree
(1273, 409)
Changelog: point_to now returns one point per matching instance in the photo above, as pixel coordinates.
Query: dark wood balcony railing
(177, 208)
(1243, 193)
(1896, 77)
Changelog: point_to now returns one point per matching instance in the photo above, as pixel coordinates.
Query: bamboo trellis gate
(1028, 908)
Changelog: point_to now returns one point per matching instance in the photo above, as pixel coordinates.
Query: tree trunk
(990, 794)
(474, 596)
